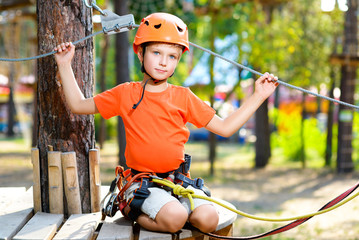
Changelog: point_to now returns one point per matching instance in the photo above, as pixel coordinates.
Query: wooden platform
(18, 221)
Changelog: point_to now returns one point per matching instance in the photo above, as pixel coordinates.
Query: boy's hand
(266, 85)
(65, 53)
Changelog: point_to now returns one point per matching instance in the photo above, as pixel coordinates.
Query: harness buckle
(114, 23)
(111, 206)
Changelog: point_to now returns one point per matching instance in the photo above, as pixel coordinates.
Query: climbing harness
(130, 208)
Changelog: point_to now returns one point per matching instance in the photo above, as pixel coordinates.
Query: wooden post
(56, 190)
(95, 182)
(36, 179)
(71, 183)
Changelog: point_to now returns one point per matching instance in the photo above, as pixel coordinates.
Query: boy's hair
(162, 27)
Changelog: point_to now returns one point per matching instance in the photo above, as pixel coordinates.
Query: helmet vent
(147, 23)
(158, 26)
(179, 29)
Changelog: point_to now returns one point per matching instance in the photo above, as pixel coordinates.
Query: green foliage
(356, 138)
(288, 135)
(111, 127)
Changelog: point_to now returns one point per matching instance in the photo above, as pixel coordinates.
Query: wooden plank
(226, 217)
(9, 194)
(116, 228)
(79, 227)
(71, 182)
(56, 189)
(41, 226)
(15, 199)
(35, 159)
(95, 181)
(148, 235)
(12, 222)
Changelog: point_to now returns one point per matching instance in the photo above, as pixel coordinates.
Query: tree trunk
(262, 144)
(60, 21)
(104, 47)
(122, 75)
(212, 137)
(330, 122)
(11, 104)
(13, 51)
(347, 87)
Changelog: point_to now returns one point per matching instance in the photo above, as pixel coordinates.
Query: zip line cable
(50, 53)
(278, 81)
(203, 49)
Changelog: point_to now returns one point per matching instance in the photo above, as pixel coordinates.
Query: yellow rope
(181, 191)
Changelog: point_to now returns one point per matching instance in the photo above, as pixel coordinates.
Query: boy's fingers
(63, 46)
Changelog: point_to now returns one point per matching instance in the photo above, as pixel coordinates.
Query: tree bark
(330, 122)
(60, 21)
(262, 144)
(212, 139)
(122, 76)
(104, 46)
(347, 87)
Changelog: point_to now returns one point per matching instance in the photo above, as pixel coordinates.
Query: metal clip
(94, 5)
(112, 22)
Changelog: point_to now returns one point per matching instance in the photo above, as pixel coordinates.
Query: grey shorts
(159, 197)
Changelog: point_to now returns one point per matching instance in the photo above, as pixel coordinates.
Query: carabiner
(94, 5)
(89, 5)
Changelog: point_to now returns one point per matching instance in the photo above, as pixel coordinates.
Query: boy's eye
(156, 52)
(173, 57)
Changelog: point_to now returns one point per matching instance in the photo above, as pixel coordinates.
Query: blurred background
(297, 150)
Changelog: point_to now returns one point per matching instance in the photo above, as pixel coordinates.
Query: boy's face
(161, 59)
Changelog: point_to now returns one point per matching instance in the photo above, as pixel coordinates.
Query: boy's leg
(162, 212)
(171, 218)
(205, 218)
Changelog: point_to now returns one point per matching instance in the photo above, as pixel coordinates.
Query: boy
(155, 114)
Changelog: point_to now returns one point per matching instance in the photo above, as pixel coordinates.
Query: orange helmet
(162, 27)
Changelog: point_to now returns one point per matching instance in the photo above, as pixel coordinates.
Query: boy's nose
(163, 61)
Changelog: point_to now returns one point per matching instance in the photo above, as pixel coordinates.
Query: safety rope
(49, 53)
(201, 48)
(333, 204)
(278, 81)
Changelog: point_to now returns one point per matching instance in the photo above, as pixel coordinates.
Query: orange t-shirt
(156, 130)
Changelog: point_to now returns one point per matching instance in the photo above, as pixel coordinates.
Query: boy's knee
(172, 218)
(205, 218)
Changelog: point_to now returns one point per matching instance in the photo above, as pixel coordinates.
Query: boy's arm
(264, 87)
(74, 97)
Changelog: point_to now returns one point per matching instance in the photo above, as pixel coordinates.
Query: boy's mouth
(160, 70)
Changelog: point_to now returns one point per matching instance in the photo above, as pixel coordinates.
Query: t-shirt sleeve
(199, 113)
(107, 102)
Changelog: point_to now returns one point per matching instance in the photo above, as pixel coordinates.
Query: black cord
(143, 93)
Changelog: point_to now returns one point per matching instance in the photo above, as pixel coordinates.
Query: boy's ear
(140, 53)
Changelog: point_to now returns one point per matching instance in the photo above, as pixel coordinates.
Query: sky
(328, 5)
